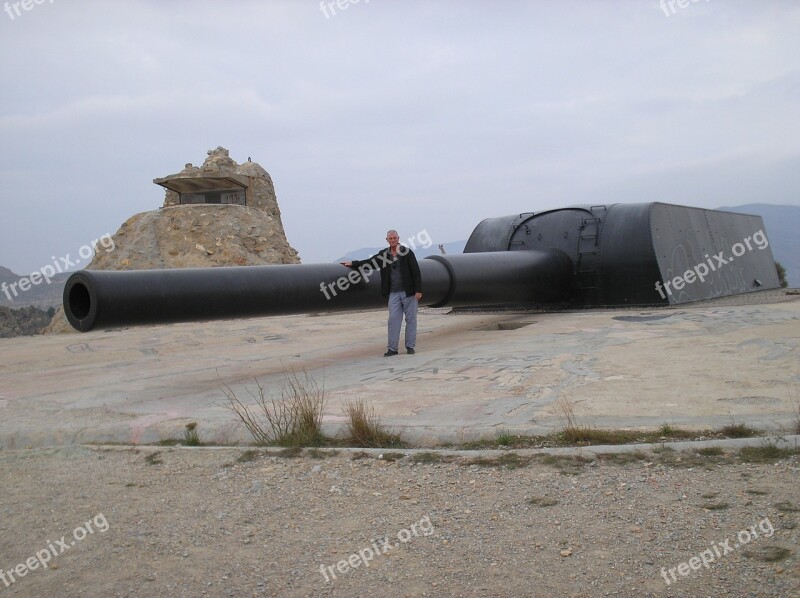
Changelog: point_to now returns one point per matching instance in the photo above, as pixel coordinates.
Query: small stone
(566, 552)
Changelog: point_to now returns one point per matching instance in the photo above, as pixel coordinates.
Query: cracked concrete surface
(473, 374)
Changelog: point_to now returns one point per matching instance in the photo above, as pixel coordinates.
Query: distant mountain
(42, 295)
(783, 231)
(420, 252)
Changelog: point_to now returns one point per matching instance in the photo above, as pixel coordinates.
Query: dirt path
(205, 523)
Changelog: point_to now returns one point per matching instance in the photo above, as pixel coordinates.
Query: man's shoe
(410, 350)
(389, 353)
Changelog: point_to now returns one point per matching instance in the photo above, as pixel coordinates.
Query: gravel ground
(203, 522)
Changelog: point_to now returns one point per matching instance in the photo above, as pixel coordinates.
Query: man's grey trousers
(399, 306)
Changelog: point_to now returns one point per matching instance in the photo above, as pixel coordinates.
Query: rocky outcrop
(196, 236)
(199, 235)
(261, 193)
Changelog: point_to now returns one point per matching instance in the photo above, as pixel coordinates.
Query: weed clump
(565, 464)
(505, 438)
(739, 431)
(190, 436)
(363, 428)
(315, 453)
(716, 506)
(542, 501)
(622, 458)
(292, 452)
(294, 420)
(248, 456)
(710, 451)
(391, 457)
(574, 433)
(768, 554)
(796, 422)
(427, 457)
(787, 507)
(768, 453)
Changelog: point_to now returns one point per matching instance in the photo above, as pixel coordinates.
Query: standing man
(401, 284)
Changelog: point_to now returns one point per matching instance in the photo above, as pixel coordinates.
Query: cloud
(391, 115)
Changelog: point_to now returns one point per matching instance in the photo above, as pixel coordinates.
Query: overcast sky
(387, 114)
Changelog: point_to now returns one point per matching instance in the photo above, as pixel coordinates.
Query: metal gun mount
(590, 256)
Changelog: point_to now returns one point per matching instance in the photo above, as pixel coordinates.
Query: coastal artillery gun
(645, 254)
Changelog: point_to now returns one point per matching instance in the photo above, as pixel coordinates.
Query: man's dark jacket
(406, 261)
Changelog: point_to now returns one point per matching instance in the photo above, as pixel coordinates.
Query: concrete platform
(473, 375)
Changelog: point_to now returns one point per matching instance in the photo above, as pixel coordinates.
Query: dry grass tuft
(363, 428)
(768, 554)
(248, 456)
(294, 420)
(796, 422)
(787, 507)
(542, 501)
(734, 430)
(715, 506)
(768, 453)
(578, 434)
(190, 436)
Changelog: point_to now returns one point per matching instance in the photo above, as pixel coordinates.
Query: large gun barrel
(621, 254)
(95, 298)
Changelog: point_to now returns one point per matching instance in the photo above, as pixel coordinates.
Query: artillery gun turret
(591, 256)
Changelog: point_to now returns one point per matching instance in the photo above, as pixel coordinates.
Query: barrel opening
(80, 301)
